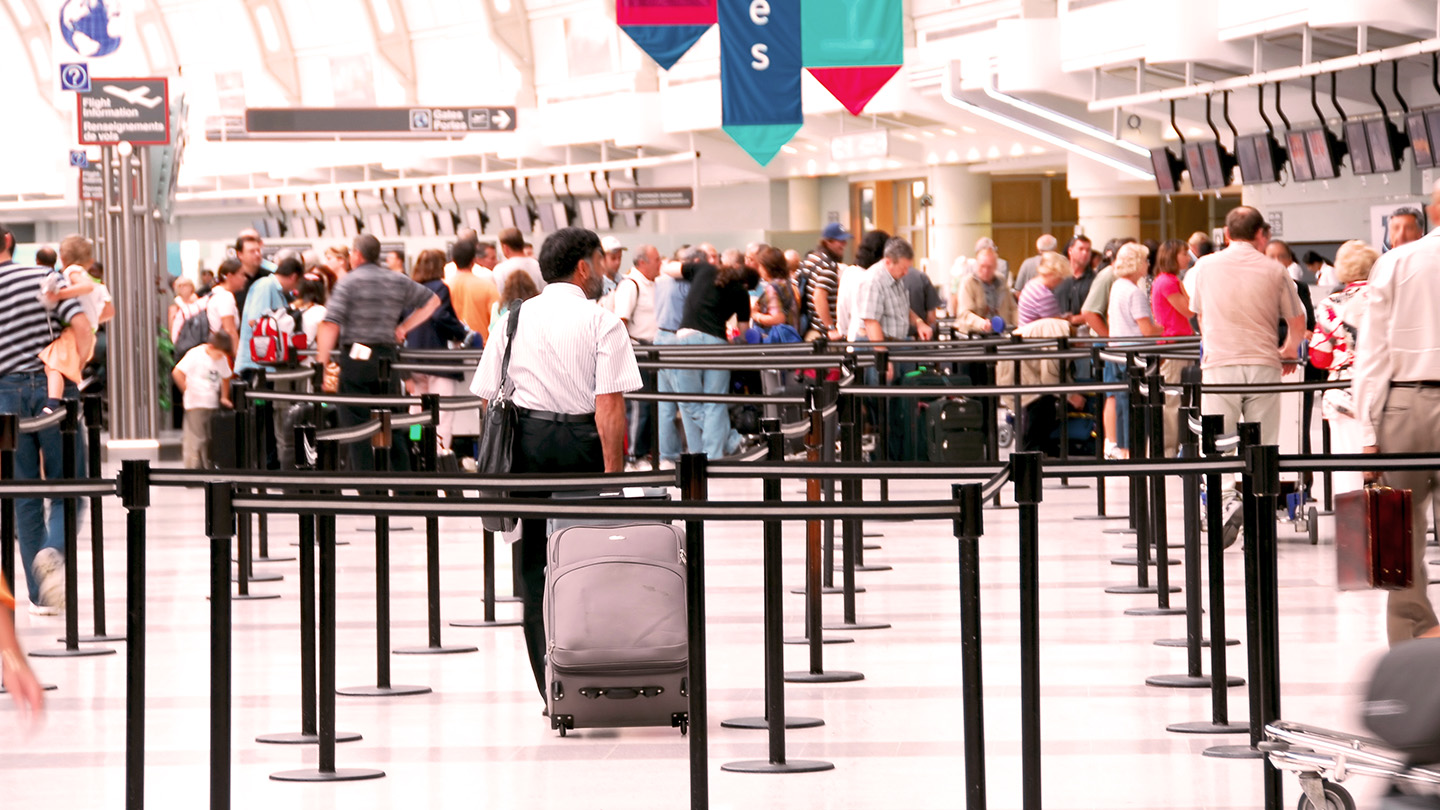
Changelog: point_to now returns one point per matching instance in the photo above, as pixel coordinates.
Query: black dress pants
(547, 447)
(362, 377)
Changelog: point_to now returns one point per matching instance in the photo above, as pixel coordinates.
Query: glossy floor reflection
(895, 738)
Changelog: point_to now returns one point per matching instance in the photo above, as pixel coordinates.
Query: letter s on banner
(761, 54)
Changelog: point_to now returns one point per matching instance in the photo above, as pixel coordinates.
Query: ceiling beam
(277, 54)
(391, 29)
(510, 32)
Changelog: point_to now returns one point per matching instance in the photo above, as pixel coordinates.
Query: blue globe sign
(91, 27)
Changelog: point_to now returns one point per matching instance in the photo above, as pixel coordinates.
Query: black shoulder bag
(500, 430)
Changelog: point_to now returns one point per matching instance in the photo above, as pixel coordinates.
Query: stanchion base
(1132, 546)
(871, 546)
(867, 567)
(383, 691)
(1068, 486)
(1100, 517)
(1234, 751)
(765, 766)
(1126, 530)
(251, 597)
(799, 640)
(1189, 681)
(298, 738)
(760, 723)
(1207, 727)
(1156, 611)
(44, 687)
(95, 639)
(1138, 590)
(63, 653)
(337, 775)
(273, 558)
(872, 534)
(833, 676)
(1130, 561)
(261, 578)
(435, 650)
(859, 626)
(337, 542)
(481, 623)
(507, 599)
(827, 591)
(1204, 642)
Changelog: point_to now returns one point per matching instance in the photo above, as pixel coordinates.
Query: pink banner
(665, 12)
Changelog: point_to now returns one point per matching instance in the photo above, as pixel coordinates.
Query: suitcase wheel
(563, 723)
(681, 720)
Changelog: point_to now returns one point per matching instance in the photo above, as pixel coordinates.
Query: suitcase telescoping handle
(621, 692)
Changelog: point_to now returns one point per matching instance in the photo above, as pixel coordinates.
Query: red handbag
(1373, 537)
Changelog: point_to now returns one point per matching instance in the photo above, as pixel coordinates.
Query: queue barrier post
(882, 417)
(969, 527)
(1139, 498)
(220, 528)
(694, 487)
(1029, 492)
(829, 436)
(133, 487)
(328, 459)
(1151, 446)
(382, 446)
(1062, 407)
(429, 445)
(1096, 367)
(70, 450)
(245, 459)
(1249, 433)
(814, 610)
(1134, 522)
(94, 415)
(774, 639)
(991, 408)
(9, 441)
(1265, 464)
(305, 443)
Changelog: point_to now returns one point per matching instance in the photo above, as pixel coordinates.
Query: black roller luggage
(909, 438)
(955, 430)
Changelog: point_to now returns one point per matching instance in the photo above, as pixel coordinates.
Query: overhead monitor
(602, 215)
(1195, 164)
(1325, 153)
(1299, 156)
(547, 218)
(507, 216)
(1432, 123)
(1419, 133)
(1383, 152)
(524, 219)
(587, 216)
(1260, 158)
(1167, 170)
(1219, 165)
(1355, 139)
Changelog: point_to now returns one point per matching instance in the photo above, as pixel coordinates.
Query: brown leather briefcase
(1373, 535)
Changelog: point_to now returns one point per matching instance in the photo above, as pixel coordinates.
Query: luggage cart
(1323, 759)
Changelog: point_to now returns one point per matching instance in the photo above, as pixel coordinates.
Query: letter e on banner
(759, 11)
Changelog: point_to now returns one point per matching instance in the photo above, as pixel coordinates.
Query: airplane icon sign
(140, 95)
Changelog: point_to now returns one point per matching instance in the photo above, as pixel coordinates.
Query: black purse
(500, 430)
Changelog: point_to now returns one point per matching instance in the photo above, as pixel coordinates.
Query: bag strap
(510, 326)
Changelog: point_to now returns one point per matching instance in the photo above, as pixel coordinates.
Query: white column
(1106, 218)
(960, 216)
(804, 194)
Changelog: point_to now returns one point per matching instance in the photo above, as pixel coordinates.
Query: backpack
(273, 338)
(194, 330)
(803, 283)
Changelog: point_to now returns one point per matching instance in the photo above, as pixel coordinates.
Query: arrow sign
(501, 119)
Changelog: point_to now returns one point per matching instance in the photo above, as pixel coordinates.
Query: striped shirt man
(821, 272)
(29, 326)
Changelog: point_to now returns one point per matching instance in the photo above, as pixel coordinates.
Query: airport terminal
(720, 404)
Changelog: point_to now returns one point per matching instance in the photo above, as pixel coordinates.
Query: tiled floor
(478, 740)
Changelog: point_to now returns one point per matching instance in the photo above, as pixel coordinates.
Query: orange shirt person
(19, 680)
(472, 293)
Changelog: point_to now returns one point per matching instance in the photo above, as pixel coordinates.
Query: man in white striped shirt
(571, 367)
(29, 328)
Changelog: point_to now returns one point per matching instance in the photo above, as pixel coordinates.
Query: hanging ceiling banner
(853, 47)
(760, 67)
(665, 29)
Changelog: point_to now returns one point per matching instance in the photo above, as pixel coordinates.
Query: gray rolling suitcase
(617, 639)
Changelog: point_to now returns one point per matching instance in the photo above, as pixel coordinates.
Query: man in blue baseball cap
(820, 281)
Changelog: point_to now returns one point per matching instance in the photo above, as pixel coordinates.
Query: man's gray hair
(692, 256)
(1046, 243)
(1406, 211)
(642, 253)
(897, 249)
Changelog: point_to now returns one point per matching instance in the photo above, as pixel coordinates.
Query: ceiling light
(812, 166)
(954, 157)
(789, 150)
(812, 147)
(927, 133)
(992, 153)
(1017, 150)
(933, 158)
(1037, 150)
(948, 131)
(909, 136)
(968, 130)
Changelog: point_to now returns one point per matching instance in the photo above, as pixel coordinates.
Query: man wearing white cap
(611, 266)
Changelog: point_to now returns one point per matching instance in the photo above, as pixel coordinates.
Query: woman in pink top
(1172, 311)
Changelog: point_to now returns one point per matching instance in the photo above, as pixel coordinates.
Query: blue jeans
(1115, 373)
(665, 383)
(23, 394)
(707, 425)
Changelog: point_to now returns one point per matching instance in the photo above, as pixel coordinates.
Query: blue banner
(760, 68)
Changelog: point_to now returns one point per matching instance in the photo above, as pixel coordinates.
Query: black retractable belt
(94, 415)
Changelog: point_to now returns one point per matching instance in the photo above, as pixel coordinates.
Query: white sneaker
(667, 464)
(49, 570)
(43, 610)
(468, 464)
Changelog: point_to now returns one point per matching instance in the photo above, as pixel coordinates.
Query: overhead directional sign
(133, 110)
(652, 199)
(404, 122)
